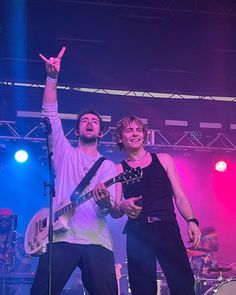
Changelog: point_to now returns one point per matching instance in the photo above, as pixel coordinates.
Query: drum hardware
(197, 251)
(225, 287)
(162, 287)
(203, 284)
(124, 285)
(220, 269)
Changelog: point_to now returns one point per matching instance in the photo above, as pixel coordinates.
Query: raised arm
(59, 142)
(53, 68)
(181, 200)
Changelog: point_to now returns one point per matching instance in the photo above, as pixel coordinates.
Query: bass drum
(227, 287)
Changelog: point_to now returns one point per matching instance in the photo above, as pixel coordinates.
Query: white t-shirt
(87, 225)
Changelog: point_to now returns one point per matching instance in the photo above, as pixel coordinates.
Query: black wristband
(194, 220)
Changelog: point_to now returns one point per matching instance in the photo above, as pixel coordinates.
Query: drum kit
(219, 284)
(204, 286)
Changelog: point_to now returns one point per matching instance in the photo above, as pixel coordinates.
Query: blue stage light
(21, 156)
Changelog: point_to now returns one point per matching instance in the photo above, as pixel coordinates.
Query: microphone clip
(47, 125)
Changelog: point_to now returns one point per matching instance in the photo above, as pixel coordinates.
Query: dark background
(184, 46)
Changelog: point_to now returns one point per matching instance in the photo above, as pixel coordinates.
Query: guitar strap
(85, 181)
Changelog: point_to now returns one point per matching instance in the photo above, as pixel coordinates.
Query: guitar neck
(80, 200)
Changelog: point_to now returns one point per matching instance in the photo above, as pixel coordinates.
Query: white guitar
(36, 236)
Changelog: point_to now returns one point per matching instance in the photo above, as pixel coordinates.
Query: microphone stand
(51, 185)
(13, 244)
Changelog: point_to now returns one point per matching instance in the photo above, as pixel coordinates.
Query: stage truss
(133, 93)
(157, 139)
(215, 7)
(177, 138)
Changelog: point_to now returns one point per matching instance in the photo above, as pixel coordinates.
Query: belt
(148, 219)
(151, 219)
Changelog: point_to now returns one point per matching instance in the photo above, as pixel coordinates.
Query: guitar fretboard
(79, 200)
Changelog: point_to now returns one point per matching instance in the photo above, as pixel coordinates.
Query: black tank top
(155, 189)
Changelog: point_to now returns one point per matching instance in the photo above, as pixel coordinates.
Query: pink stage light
(221, 166)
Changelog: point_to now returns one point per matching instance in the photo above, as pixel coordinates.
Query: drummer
(208, 273)
(204, 259)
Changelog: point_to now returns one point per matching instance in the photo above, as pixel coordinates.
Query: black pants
(96, 264)
(147, 242)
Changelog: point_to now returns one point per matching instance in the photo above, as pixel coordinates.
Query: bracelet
(194, 220)
(104, 210)
(52, 79)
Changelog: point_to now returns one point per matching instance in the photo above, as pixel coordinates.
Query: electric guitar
(36, 236)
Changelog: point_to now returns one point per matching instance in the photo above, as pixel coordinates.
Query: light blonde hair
(122, 124)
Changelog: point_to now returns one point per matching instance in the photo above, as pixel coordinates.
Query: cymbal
(197, 251)
(220, 269)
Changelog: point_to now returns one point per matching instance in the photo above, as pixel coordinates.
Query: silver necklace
(139, 159)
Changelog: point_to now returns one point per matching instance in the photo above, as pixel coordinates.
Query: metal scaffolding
(168, 137)
(215, 7)
(159, 139)
(132, 93)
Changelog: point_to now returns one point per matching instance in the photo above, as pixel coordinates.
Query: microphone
(47, 125)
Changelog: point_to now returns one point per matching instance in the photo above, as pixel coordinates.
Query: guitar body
(36, 236)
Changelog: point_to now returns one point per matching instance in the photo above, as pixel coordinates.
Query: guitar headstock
(130, 175)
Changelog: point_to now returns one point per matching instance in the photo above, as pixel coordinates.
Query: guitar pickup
(43, 224)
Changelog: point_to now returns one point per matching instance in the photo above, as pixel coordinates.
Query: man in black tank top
(152, 230)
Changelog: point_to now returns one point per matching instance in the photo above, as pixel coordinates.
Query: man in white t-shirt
(87, 243)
